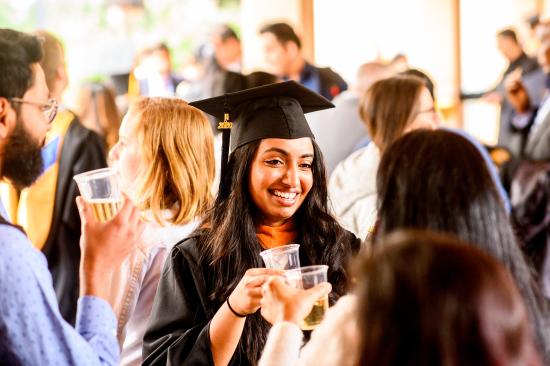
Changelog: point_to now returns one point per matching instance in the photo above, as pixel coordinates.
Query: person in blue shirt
(283, 53)
(32, 330)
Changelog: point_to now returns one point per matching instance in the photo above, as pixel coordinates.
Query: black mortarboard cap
(269, 111)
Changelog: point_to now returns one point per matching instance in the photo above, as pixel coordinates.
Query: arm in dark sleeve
(178, 331)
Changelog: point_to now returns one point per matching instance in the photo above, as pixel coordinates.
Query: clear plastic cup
(283, 257)
(308, 277)
(101, 189)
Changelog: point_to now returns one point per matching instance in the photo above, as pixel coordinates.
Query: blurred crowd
(436, 244)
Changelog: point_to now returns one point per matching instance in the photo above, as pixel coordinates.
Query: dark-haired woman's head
(437, 180)
(394, 106)
(429, 299)
(276, 178)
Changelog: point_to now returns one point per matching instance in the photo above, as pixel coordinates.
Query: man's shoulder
(331, 82)
(15, 248)
(12, 236)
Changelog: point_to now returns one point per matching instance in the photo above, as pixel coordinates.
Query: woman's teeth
(286, 195)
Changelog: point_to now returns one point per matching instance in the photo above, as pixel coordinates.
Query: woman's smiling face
(281, 177)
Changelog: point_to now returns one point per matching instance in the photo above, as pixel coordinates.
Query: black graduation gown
(82, 150)
(178, 331)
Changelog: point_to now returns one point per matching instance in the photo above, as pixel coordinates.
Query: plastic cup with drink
(101, 189)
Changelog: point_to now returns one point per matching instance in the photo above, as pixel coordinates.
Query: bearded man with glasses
(69, 149)
(32, 330)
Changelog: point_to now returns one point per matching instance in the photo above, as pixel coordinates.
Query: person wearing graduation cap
(273, 192)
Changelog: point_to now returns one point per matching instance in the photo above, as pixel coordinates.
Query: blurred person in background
(390, 108)
(340, 130)
(530, 173)
(47, 209)
(527, 115)
(532, 77)
(227, 48)
(407, 310)
(219, 64)
(96, 107)
(154, 72)
(283, 53)
(165, 158)
(399, 63)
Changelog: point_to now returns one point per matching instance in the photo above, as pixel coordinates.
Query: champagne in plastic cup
(101, 189)
(305, 278)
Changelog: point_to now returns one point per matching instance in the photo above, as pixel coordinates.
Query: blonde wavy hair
(177, 168)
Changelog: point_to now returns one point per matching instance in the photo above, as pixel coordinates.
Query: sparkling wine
(105, 209)
(316, 315)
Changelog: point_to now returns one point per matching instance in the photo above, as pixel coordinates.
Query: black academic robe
(178, 331)
(82, 150)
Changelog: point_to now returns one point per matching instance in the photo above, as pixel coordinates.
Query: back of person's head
(224, 32)
(157, 47)
(177, 167)
(508, 33)
(283, 32)
(369, 73)
(428, 299)
(389, 106)
(53, 61)
(259, 78)
(19, 52)
(437, 180)
(97, 110)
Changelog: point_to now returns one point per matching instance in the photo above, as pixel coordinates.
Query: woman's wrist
(235, 312)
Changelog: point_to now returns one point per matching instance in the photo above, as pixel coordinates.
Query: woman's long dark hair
(231, 247)
(437, 180)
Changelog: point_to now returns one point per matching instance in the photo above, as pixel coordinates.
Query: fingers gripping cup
(283, 257)
(101, 189)
(305, 278)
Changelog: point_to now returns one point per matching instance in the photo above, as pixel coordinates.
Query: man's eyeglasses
(49, 109)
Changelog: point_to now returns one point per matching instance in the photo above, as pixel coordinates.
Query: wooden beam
(457, 64)
(308, 30)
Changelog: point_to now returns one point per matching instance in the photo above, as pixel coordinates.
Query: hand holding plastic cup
(283, 257)
(101, 189)
(305, 278)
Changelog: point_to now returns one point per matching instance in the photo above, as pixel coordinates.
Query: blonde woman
(166, 162)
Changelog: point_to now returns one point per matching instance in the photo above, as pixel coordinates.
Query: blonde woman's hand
(281, 302)
(246, 297)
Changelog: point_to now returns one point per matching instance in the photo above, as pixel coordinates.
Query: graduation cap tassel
(225, 128)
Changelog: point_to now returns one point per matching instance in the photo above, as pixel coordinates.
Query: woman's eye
(274, 162)
(305, 165)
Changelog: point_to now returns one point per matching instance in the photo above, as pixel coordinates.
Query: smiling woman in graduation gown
(273, 192)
